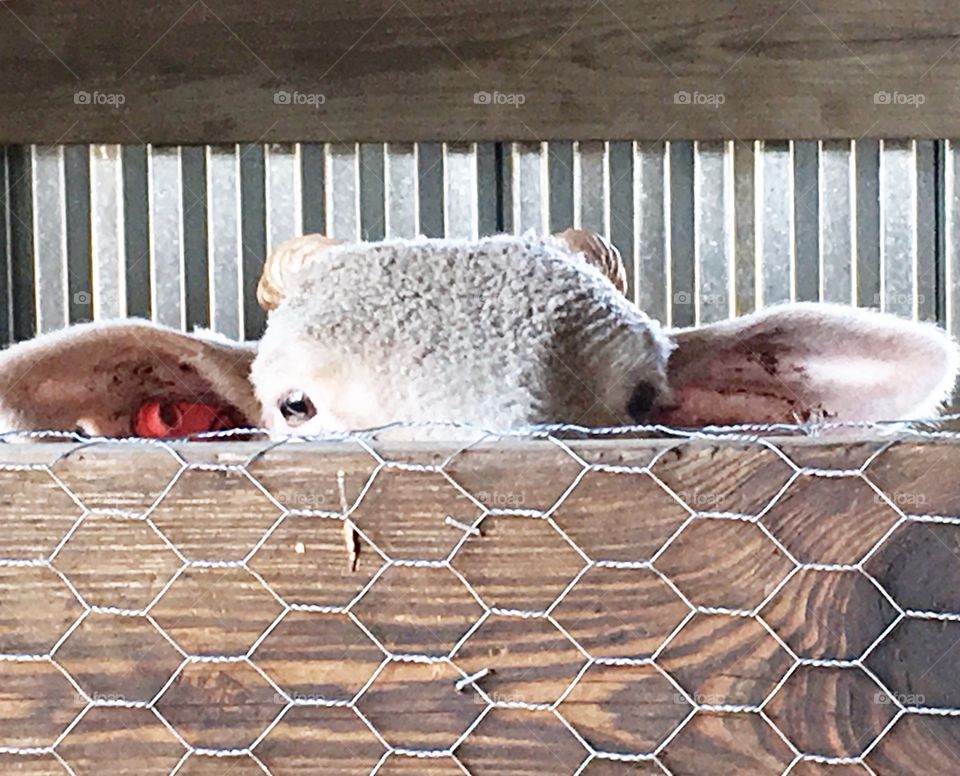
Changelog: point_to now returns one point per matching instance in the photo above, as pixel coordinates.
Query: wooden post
(476, 70)
(521, 606)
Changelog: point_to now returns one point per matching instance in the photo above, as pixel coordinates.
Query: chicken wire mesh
(708, 229)
(361, 606)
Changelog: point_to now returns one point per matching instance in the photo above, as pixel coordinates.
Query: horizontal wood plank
(421, 70)
(495, 608)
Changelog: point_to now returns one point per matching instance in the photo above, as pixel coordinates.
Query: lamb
(511, 331)
(499, 333)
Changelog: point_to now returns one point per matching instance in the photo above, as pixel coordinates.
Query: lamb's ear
(98, 377)
(809, 362)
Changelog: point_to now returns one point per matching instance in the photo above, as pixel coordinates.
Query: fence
(708, 230)
(698, 604)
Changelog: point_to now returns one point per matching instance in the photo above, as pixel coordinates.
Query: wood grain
(829, 615)
(624, 709)
(727, 743)
(388, 636)
(512, 649)
(132, 740)
(722, 659)
(852, 705)
(409, 71)
(313, 739)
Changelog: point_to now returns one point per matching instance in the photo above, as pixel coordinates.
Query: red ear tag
(183, 418)
(149, 422)
(193, 418)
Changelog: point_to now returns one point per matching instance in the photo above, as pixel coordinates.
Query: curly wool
(500, 333)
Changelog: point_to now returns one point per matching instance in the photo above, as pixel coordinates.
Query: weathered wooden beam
(515, 607)
(419, 70)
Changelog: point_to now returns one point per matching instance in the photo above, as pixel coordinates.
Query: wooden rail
(419, 70)
(521, 607)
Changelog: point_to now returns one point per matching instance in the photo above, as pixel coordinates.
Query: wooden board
(705, 606)
(418, 70)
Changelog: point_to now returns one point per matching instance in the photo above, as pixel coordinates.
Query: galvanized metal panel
(490, 201)
(460, 205)
(224, 239)
(681, 262)
(898, 234)
(530, 187)
(50, 237)
(746, 198)
(22, 280)
(838, 223)
(712, 229)
(180, 234)
(620, 162)
(952, 236)
(136, 233)
(107, 247)
(651, 225)
(284, 207)
(806, 218)
(343, 191)
(430, 184)
(6, 252)
(777, 245)
(929, 274)
(196, 283)
(166, 236)
(402, 191)
(254, 234)
(561, 176)
(592, 187)
(312, 180)
(868, 223)
(76, 178)
(372, 191)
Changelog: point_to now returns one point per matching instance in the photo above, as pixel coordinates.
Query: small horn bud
(599, 253)
(287, 258)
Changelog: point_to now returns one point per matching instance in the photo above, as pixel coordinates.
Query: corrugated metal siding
(708, 229)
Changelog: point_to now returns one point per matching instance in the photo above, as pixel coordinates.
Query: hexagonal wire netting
(456, 663)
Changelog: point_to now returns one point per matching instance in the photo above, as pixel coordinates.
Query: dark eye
(641, 401)
(296, 408)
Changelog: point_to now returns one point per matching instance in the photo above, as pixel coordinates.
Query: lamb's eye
(296, 408)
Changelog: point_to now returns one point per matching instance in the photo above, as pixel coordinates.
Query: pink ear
(808, 362)
(99, 376)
